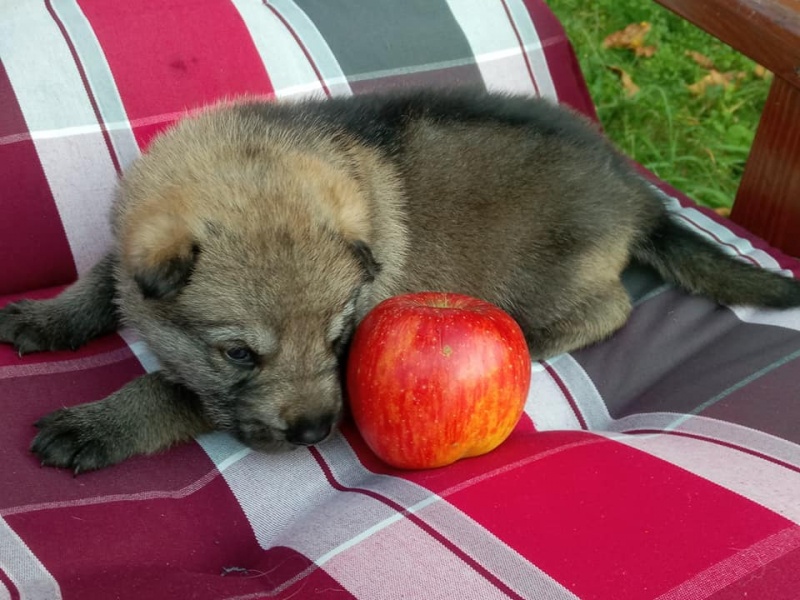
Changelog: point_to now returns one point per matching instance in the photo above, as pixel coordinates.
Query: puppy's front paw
(74, 438)
(30, 326)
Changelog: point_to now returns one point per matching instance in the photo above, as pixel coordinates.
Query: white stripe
(546, 405)
(286, 64)
(741, 246)
(534, 48)
(95, 128)
(494, 44)
(287, 499)
(231, 460)
(786, 318)
(406, 562)
(730, 433)
(100, 78)
(4, 593)
(315, 44)
(25, 571)
(49, 134)
(469, 536)
(15, 370)
(314, 88)
(583, 391)
(375, 529)
(768, 484)
(53, 97)
(703, 224)
(140, 350)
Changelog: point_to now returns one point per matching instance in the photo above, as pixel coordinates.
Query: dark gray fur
(509, 199)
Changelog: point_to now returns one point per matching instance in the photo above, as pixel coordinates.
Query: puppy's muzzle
(307, 432)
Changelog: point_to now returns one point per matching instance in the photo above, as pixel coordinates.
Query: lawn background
(698, 143)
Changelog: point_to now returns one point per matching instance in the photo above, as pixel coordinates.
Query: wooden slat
(768, 31)
(768, 201)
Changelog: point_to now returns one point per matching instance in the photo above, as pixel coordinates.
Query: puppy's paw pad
(69, 440)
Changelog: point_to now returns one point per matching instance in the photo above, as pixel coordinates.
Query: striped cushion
(666, 464)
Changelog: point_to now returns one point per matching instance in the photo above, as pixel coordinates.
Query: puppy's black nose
(307, 432)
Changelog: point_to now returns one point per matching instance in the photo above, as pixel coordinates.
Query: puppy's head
(242, 265)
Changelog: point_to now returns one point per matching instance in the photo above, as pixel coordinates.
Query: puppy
(251, 239)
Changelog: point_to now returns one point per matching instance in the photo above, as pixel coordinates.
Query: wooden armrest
(768, 31)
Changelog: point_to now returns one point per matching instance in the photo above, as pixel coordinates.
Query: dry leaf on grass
(723, 211)
(631, 89)
(715, 78)
(700, 59)
(631, 38)
(761, 72)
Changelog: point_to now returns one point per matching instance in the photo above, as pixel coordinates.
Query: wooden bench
(768, 31)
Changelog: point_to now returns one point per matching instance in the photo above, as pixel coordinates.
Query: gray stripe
(435, 76)
(101, 81)
(390, 35)
(746, 381)
(683, 354)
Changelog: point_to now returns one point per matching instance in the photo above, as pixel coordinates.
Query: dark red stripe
(777, 580)
(86, 85)
(480, 569)
(302, 46)
(34, 249)
(730, 445)
(12, 589)
(156, 548)
(567, 394)
(521, 47)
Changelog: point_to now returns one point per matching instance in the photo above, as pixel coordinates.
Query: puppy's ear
(160, 252)
(364, 255)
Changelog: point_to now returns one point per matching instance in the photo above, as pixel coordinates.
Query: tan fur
(157, 230)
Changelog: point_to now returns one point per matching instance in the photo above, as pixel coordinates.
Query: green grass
(699, 144)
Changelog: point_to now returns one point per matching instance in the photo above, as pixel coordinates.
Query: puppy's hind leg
(83, 311)
(597, 316)
(147, 415)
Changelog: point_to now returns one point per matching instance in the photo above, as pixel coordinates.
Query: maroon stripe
(12, 589)
(779, 579)
(476, 566)
(157, 548)
(87, 86)
(730, 445)
(34, 249)
(300, 43)
(567, 394)
(521, 47)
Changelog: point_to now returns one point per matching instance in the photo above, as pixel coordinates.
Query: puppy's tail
(686, 259)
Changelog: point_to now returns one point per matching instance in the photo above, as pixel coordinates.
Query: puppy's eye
(241, 356)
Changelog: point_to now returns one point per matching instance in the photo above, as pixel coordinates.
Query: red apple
(436, 377)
